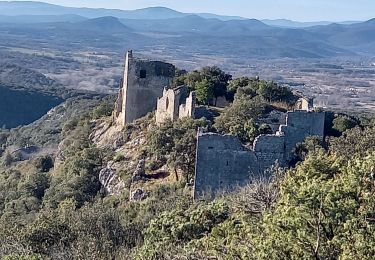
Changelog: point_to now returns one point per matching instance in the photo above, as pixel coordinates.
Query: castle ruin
(223, 162)
(175, 103)
(142, 84)
(143, 89)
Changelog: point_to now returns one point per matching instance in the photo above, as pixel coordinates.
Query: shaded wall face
(118, 104)
(145, 83)
(188, 109)
(301, 124)
(270, 149)
(222, 164)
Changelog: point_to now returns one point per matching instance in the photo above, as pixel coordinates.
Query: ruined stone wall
(175, 103)
(143, 84)
(188, 109)
(167, 107)
(306, 104)
(222, 163)
(274, 120)
(299, 125)
(269, 150)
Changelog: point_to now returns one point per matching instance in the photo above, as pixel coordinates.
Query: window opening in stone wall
(143, 74)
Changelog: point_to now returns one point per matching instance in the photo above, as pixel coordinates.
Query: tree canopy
(209, 82)
(239, 118)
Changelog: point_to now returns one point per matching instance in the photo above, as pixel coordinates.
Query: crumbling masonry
(175, 103)
(224, 163)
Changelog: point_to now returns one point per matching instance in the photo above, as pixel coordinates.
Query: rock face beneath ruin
(111, 183)
(139, 173)
(128, 147)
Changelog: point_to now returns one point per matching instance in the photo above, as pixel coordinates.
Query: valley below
(334, 82)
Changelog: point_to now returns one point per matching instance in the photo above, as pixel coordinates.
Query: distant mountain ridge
(359, 37)
(109, 24)
(38, 26)
(31, 8)
(197, 24)
(285, 23)
(114, 30)
(41, 18)
(17, 8)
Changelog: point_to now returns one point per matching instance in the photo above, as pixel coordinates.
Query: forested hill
(27, 95)
(21, 107)
(57, 207)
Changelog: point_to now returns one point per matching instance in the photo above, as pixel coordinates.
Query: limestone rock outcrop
(139, 173)
(111, 183)
(138, 195)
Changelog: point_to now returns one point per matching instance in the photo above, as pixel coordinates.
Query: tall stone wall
(269, 150)
(299, 125)
(223, 162)
(143, 84)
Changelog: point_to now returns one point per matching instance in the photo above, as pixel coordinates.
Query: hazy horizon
(296, 10)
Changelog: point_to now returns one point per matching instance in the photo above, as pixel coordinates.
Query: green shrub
(44, 163)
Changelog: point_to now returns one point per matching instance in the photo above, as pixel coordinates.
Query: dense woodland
(323, 208)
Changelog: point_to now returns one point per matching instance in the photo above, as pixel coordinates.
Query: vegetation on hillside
(54, 206)
(321, 209)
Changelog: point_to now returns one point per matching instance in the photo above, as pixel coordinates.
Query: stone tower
(143, 83)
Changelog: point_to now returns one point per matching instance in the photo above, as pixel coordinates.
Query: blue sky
(300, 10)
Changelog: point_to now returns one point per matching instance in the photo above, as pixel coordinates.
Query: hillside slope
(27, 95)
(21, 107)
(359, 37)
